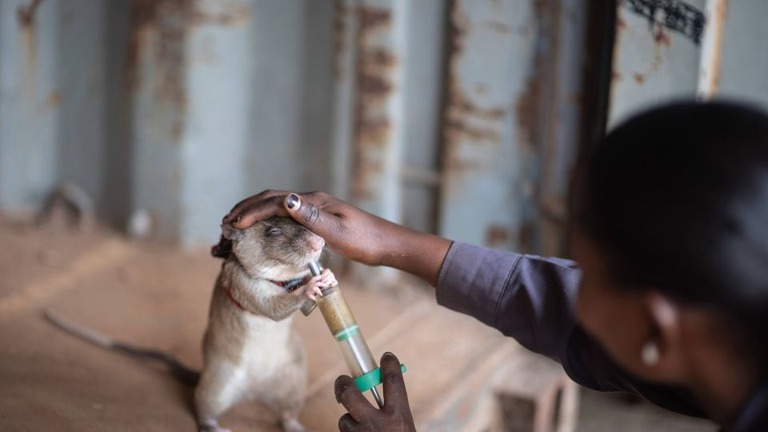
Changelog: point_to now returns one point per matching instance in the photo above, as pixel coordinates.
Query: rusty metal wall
(172, 109)
(512, 111)
(220, 92)
(656, 53)
(30, 102)
(743, 55)
(458, 117)
(683, 49)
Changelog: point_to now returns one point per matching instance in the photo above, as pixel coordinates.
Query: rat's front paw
(314, 286)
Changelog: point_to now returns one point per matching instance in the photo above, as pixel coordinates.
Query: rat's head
(277, 248)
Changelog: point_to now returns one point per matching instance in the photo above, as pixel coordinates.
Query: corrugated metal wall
(458, 117)
(670, 49)
(447, 116)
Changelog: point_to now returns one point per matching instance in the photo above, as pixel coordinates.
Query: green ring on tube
(371, 379)
(347, 333)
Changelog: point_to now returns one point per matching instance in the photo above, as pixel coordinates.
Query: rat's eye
(274, 231)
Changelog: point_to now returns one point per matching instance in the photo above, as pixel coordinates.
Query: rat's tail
(178, 370)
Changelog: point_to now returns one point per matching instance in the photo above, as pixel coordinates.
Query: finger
(259, 210)
(348, 424)
(257, 207)
(348, 395)
(308, 210)
(395, 395)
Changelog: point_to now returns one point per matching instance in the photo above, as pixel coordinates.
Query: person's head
(671, 230)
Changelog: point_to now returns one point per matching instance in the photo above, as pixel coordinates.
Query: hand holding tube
(394, 416)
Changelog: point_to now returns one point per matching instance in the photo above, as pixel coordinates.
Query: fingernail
(338, 394)
(237, 219)
(292, 201)
(388, 354)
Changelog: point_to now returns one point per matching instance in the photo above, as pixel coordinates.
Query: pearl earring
(650, 354)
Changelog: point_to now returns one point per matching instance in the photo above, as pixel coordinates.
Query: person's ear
(663, 351)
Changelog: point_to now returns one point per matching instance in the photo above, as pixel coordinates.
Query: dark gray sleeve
(531, 299)
(526, 297)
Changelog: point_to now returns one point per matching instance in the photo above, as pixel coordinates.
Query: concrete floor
(155, 295)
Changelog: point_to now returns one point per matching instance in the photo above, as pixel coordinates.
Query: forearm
(414, 252)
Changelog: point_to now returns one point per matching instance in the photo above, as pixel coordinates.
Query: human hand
(394, 416)
(347, 230)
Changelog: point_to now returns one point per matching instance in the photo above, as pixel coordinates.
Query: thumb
(307, 213)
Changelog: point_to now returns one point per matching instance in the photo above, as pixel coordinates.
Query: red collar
(289, 285)
(237, 303)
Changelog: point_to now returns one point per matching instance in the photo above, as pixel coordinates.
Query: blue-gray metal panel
(378, 106)
(491, 60)
(345, 57)
(379, 42)
(652, 63)
(30, 97)
(115, 202)
(278, 53)
(82, 93)
(157, 82)
(744, 53)
(318, 95)
(219, 71)
(422, 85)
(560, 147)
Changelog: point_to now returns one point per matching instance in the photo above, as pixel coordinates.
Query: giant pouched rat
(250, 350)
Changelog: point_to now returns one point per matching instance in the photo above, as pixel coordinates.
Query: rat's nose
(316, 243)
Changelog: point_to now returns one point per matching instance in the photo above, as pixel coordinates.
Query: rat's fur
(250, 350)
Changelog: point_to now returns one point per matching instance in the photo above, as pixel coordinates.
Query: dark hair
(677, 198)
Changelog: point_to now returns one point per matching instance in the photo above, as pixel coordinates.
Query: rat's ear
(223, 249)
(231, 233)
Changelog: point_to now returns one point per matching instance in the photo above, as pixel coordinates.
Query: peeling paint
(530, 105)
(658, 60)
(220, 13)
(159, 25)
(712, 50)
(371, 18)
(53, 100)
(26, 14)
(494, 120)
(339, 36)
(465, 122)
(26, 17)
(375, 64)
(499, 27)
(163, 27)
(497, 235)
(662, 37)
